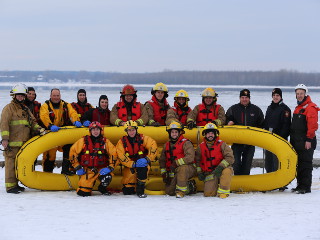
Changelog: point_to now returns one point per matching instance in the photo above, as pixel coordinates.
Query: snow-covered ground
(48, 215)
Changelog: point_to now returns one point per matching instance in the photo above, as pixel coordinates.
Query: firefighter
(135, 152)
(82, 105)
(158, 106)
(32, 104)
(303, 137)
(207, 111)
(93, 157)
(180, 110)
(177, 163)
(128, 108)
(56, 113)
(100, 114)
(17, 126)
(214, 159)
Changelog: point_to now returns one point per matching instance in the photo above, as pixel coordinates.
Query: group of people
(214, 162)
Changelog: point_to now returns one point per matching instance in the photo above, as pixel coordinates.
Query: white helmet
(19, 88)
(301, 86)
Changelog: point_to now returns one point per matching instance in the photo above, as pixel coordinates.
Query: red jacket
(310, 110)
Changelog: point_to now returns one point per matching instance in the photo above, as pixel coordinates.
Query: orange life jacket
(136, 150)
(65, 114)
(160, 113)
(94, 154)
(101, 117)
(175, 152)
(181, 113)
(210, 157)
(123, 113)
(205, 116)
(81, 109)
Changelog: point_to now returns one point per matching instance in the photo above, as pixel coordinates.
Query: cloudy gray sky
(154, 35)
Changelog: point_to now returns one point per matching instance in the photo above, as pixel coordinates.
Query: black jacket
(250, 115)
(278, 119)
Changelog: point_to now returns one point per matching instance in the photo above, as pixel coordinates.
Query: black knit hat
(277, 91)
(82, 91)
(245, 92)
(31, 89)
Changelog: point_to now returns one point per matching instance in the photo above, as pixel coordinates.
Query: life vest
(136, 150)
(175, 152)
(123, 113)
(160, 113)
(102, 117)
(36, 109)
(94, 154)
(207, 115)
(81, 109)
(181, 113)
(65, 114)
(210, 157)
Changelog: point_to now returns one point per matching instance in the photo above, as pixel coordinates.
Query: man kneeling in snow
(93, 157)
(214, 159)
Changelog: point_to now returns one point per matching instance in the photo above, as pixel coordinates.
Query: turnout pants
(87, 181)
(130, 178)
(218, 185)
(179, 183)
(10, 175)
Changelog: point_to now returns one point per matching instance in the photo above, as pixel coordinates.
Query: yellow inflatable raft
(230, 134)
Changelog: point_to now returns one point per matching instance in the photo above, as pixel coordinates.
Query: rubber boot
(66, 167)
(192, 187)
(104, 183)
(140, 189)
(48, 166)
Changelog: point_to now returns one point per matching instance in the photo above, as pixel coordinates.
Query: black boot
(66, 167)
(14, 190)
(48, 166)
(192, 186)
(140, 189)
(104, 183)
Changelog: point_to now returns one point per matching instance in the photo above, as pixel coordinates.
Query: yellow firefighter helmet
(210, 127)
(130, 124)
(209, 92)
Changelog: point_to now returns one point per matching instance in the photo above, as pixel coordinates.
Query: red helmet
(95, 124)
(128, 90)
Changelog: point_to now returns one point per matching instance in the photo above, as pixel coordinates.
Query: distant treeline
(273, 78)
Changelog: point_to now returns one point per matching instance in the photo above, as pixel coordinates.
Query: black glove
(218, 171)
(155, 124)
(191, 125)
(201, 176)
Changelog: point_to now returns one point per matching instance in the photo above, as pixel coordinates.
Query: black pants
(304, 169)
(243, 155)
(271, 162)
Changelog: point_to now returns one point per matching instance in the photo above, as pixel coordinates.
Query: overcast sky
(157, 35)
